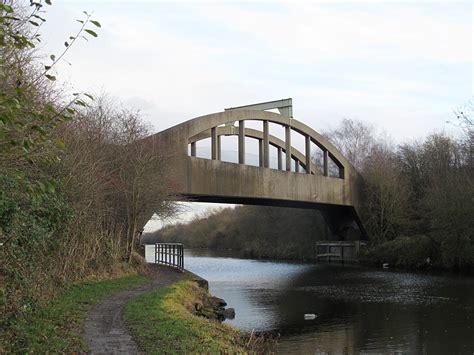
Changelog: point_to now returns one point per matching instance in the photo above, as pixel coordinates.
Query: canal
(358, 310)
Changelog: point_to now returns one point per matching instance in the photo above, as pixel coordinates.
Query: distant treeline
(418, 205)
(255, 231)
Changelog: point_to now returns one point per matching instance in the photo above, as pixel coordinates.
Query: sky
(402, 66)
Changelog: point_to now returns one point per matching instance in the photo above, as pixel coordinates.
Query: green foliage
(178, 330)
(29, 221)
(27, 118)
(57, 327)
(45, 238)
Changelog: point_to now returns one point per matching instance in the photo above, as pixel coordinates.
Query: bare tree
(355, 139)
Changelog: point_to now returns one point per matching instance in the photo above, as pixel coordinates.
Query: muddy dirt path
(105, 330)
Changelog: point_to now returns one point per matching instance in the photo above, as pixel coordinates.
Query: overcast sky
(403, 66)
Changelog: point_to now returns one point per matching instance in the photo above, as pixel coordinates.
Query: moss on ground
(57, 327)
(162, 321)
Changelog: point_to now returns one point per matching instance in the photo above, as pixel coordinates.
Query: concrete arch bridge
(296, 180)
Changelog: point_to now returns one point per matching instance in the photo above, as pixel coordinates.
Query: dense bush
(416, 252)
(77, 180)
(29, 226)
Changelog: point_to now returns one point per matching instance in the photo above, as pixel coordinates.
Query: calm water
(358, 310)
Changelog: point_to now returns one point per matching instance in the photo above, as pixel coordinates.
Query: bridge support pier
(343, 223)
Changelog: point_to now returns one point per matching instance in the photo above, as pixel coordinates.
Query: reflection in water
(358, 309)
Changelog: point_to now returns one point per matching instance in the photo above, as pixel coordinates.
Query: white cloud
(304, 29)
(334, 60)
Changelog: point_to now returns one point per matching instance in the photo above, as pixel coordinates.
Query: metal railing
(170, 254)
(340, 250)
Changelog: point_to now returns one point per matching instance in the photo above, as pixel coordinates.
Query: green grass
(57, 327)
(162, 322)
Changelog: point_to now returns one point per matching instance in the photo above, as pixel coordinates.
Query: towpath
(105, 330)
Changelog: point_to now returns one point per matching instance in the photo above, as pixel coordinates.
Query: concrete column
(260, 153)
(288, 147)
(279, 156)
(341, 172)
(214, 143)
(219, 152)
(308, 155)
(241, 142)
(266, 145)
(193, 149)
(325, 163)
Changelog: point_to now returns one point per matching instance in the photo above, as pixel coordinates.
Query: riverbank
(416, 253)
(161, 309)
(166, 320)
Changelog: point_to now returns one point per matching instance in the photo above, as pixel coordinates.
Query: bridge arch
(203, 179)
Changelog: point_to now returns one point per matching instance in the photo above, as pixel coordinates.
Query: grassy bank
(57, 326)
(163, 321)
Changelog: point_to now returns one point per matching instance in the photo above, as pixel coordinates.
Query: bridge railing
(170, 254)
(302, 161)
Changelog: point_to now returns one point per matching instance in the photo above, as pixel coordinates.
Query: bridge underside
(343, 221)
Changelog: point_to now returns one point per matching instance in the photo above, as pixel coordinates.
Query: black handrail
(171, 254)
